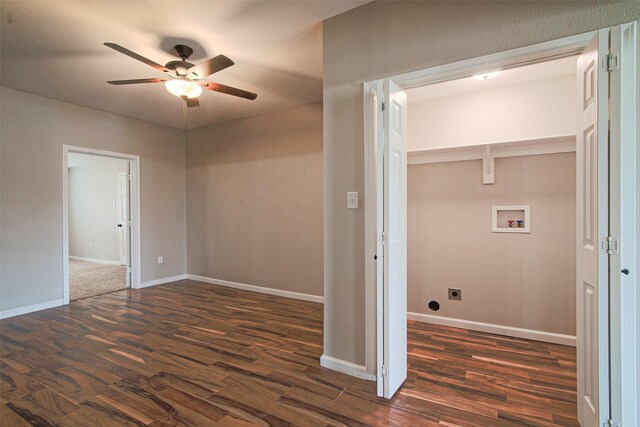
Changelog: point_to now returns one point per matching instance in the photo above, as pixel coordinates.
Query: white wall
(93, 209)
(513, 280)
(255, 196)
(254, 200)
(33, 131)
(533, 109)
(507, 279)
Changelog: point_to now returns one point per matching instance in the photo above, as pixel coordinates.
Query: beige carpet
(87, 279)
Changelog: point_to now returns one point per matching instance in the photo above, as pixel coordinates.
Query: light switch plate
(352, 200)
(160, 260)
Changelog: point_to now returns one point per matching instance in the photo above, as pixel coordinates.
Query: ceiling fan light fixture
(181, 88)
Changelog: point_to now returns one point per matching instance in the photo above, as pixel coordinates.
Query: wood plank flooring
(189, 353)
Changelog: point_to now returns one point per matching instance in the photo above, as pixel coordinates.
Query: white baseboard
(260, 289)
(510, 331)
(55, 303)
(345, 367)
(97, 261)
(162, 280)
(30, 308)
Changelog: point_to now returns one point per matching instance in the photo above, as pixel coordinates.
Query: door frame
(625, 294)
(568, 46)
(134, 209)
(541, 52)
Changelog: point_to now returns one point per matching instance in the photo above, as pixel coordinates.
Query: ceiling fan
(185, 78)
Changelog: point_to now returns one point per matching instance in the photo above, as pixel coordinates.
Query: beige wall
(518, 280)
(383, 39)
(93, 209)
(536, 109)
(32, 133)
(254, 200)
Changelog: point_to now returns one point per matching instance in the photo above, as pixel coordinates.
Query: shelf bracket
(487, 167)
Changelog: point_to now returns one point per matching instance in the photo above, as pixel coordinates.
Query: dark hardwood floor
(190, 353)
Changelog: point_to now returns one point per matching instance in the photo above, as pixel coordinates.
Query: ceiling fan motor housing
(179, 68)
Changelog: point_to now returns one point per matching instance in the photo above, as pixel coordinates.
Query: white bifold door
(592, 228)
(606, 199)
(392, 241)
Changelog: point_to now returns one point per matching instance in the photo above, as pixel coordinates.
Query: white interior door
(124, 220)
(122, 206)
(592, 229)
(393, 293)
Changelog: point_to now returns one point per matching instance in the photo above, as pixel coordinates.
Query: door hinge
(383, 238)
(385, 371)
(610, 245)
(611, 423)
(610, 63)
(384, 106)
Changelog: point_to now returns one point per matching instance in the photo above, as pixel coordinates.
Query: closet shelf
(524, 147)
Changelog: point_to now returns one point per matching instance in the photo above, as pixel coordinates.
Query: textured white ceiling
(528, 73)
(55, 49)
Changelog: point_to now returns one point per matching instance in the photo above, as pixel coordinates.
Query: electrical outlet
(160, 259)
(455, 294)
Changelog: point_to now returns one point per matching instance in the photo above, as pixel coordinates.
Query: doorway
(101, 225)
(491, 202)
(384, 112)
